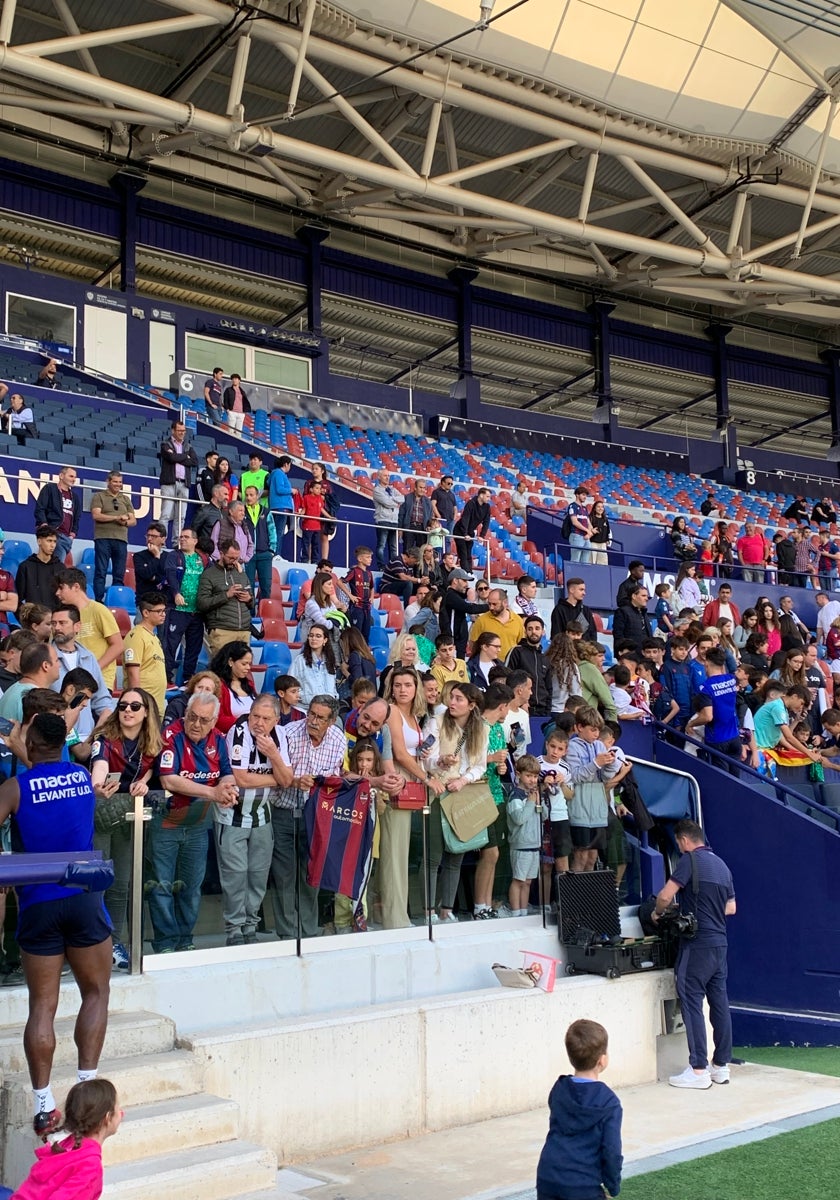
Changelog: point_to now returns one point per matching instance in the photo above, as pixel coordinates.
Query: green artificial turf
(801, 1165)
(822, 1060)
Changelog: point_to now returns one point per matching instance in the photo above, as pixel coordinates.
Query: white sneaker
(719, 1074)
(689, 1079)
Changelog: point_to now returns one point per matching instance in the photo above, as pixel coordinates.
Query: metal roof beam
(77, 42)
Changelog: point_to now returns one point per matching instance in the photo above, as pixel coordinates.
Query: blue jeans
(580, 548)
(175, 857)
(63, 546)
(259, 567)
(105, 551)
(189, 628)
(386, 538)
(701, 972)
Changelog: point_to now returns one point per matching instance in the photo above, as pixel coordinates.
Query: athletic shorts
(524, 864)
(496, 831)
(586, 838)
(561, 838)
(78, 921)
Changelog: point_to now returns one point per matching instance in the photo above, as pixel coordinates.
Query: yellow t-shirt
(143, 649)
(509, 633)
(457, 674)
(98, 624)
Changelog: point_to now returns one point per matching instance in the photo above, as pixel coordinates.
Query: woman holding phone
(122, 760)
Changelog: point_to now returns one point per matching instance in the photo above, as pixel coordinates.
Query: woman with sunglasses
(232, 663)
(121, 764)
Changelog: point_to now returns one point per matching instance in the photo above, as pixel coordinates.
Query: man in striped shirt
(316, 746)
(259, 759)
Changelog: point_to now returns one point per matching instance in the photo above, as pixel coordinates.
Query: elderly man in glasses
(195, 770)
(315, 746)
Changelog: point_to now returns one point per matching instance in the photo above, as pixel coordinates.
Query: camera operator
(701, 884)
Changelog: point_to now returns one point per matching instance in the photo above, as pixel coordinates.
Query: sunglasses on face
(131, 705)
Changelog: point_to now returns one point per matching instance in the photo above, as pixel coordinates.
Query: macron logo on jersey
(74, 785)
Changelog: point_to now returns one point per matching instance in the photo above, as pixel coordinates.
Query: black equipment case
(589, 927)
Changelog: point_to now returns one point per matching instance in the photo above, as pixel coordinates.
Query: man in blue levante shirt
(716, 706)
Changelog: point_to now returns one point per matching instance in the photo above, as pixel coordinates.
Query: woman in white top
(314, 668)
(408, 724)
(321, 603)
(687, 589)
(459, 758)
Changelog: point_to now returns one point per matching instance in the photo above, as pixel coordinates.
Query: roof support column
(831, 358)
(605, 414)
(466, 389)
(727, 430)
(312, 236)
(128, 185)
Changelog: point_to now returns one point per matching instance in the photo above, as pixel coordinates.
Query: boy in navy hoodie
(581, 1158)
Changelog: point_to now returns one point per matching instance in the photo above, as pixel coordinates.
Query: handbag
(110, 812)
(414, 796)
(515, 977)
(469, 810)
(454, 845)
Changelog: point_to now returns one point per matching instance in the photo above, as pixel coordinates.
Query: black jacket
(150, 574)
(204, 521)
(49, 508)
(474, 519)
(228, 399)
(625, 589)
(454, 609)
(170, 458)
(786, 555)
(564, 613)
(631, 624)
(35, 580)
(204, 485)
(531, 659)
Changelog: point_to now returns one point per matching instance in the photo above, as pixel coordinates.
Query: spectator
(601, 534)
(458, 758)
(223, 477)
(236, 403)
(528, 656)
(486, 653)
(263, 535)
(417, 605)
(359, 657)
(415, 514)
(679, 680)
(526, 596)
(387, 503)
(829, 557)
(565, 671)
(792, 668)
(785, 550)
(256, 477)
(98, 629)
(722, 550)
(593, 686)
(183, 570)
(443, 502)
(208, 517)
(203, 681)
(206, 477)
(319, 476)
(827, 612)
(113, 515)
(122, 760)
(572, 608)
(754, 653)
(281, 498)
(224, 598)
(797, 511)
(580, 526)
(359, 580)
(590, 765)
(800, 629)
(35, 578)
(746, 626)
(315, 667)
(47, 376)
(474, 522)
(635, 574)
(435, 539)
(66, 624)
(259, 759)
(684, 547)
(726, 640)
(709, 505)
(631, 622)
(150, 564)
(823, 512)
(232, 527)
(39, 667)
(73, 1165)
(446, 666)
(59, 506)
(519, 500)
(232, 664)
(773, 722)
(178, 462)
(751, 553)
(716, 707)
(316, 746)
(398, 578)
(36, 618)
(313, 508)
(321, 607)
(687, 588)
(287, 691)
(145, 666)
(195, 771)
(455, 609)
(18, 418)
(500, 620)
(805, 559)
(497, 699)
(404, 652)
(768, 624)
(722, 607)
(213, 397)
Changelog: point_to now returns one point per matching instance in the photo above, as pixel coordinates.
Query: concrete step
(129, 1034)
(153, 1130)
(140, 1080)
(208, 1173)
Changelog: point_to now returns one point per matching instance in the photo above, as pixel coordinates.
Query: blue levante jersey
(55, 813)
(205, 762)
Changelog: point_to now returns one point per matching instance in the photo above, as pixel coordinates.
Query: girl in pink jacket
(72, 1169)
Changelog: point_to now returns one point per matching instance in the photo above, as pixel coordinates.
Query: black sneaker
(46, 1123)
(13, 977)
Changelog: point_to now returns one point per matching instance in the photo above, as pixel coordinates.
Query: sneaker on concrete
(719, 1074)
(235, 939)
(690, 1079)
(119, 957)
(450, 920)
(13, 977)
(504, 911)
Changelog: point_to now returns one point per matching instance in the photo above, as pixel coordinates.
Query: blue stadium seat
(118, 596)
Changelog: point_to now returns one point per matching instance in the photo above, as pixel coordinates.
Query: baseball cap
(459, 574)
